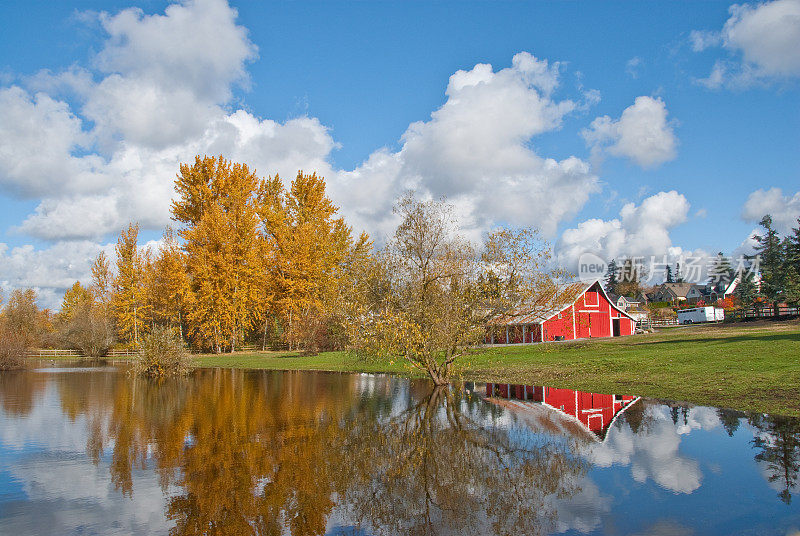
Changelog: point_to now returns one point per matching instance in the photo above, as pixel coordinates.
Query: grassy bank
(749, 366)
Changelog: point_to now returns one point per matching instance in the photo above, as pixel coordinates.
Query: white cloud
(38, 138)
(641, 230)
(159, 91)
(763, 41)
(702, 39)
(784, 209)
(641, 134)
(632, 66)
(49, 271)
(475, 149)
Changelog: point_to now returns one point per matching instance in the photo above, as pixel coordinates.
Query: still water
(95, 451)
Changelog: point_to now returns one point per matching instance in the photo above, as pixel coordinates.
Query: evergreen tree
(746, 290)
(771, 261)
(792, 266)
(779, 449)
(670, 278)
(720, 273)
(632, 273)
(612, 277)
(678, 275)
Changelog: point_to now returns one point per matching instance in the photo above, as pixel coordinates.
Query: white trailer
(701, 314)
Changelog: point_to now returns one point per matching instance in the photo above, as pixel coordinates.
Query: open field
(751, 366)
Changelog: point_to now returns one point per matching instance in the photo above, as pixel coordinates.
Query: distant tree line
(770, 276)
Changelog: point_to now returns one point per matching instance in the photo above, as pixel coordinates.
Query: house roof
(679, 289)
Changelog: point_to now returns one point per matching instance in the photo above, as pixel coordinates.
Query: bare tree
(430, 293)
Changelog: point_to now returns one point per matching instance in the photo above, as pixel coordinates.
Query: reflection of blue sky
(51, 487)
(666, 479)
(689, 476)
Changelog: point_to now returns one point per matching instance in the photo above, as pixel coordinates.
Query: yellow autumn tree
(168, 284)
(224, 258)
(130, 298)
(75, 298)
(103, 283)
(309, 249)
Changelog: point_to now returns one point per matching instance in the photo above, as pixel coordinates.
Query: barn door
(616, 332)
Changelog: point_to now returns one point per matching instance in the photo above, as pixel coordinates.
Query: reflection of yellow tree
(260, 453)
(18, 391)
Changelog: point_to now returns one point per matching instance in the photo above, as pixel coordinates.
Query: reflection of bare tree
(437, 469)
(779, 448)
(243, 453)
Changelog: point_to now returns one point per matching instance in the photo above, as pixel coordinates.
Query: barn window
(559, 316)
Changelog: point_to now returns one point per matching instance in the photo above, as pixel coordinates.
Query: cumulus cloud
(48, 271)
(641, 230)
(159, 102)
(643, 134)
(159, 92)
(38, 139)
(763, 42)
(476, 150)
(784, 209)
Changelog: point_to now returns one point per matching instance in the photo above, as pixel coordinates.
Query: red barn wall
(591, 315)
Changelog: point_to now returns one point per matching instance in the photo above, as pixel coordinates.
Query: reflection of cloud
(653, 452)
(666, 528)
(44, 427)
(699, 418)
(582, 512)
(65, 493)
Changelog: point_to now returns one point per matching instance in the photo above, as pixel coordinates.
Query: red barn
(588, 313)
(593, 411)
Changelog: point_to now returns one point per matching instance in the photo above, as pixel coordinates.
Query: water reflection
(592, 412)
(231, 452)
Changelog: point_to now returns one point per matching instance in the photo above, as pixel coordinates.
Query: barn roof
(542, 313)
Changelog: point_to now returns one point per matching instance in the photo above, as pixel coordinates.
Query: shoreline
(752, 366)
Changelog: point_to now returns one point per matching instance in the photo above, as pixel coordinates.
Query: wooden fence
(764, 312)
(660, 323)
(44, 353)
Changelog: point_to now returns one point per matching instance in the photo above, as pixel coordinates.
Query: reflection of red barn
(594, 411)
(588, 313)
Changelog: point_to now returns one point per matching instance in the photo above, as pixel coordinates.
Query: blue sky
(713, 88)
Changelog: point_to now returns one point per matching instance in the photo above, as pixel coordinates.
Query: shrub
(88, 331)
(162, 354)
(13, 349)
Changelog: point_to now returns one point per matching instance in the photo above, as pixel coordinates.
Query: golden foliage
(131, 310)
(309, 251)
(224, 256)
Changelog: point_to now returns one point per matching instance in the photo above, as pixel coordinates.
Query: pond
(95, 451)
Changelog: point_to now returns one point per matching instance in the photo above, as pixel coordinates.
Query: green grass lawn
(748, 366)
